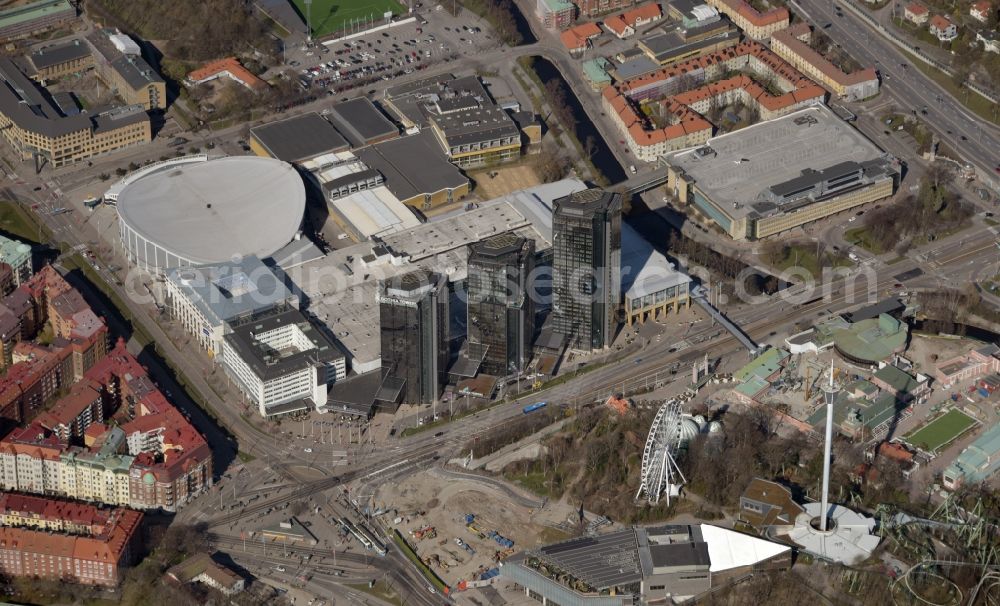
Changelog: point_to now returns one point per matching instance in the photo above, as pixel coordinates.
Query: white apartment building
(282, 363)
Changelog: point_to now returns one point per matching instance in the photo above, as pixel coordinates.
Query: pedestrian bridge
(699, 295)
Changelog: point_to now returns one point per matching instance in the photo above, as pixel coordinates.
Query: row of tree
(934, 210)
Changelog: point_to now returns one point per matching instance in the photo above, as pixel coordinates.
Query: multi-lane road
(976, 140)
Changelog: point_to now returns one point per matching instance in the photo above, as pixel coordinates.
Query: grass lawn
(329, 16)
(534, 482)
(941, 430)
(17, 222)
(805, 257)
(859, 236)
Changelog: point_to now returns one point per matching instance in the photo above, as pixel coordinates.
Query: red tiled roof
(896, 452)
(616, 24)
(940, 22)
(916, 8)
(66, 410)
(111, 530)
(231, 65)
(687, 120)
(790, 38)
(576, 37)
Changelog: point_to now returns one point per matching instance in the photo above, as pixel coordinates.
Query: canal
(657, 230)
(602, 159)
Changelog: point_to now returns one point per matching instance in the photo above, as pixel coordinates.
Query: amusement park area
(854, 462)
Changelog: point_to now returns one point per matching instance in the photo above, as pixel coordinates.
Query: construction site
(462, 530)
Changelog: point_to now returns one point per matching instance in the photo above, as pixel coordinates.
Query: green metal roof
(871, 340)
(556, 6)
(14, 252)
(764, 365)
(752, 386)
(979, 460)
(871, 414)
(596, 70)
(30, 12)
(899, 380)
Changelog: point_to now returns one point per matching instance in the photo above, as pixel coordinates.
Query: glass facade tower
(413, 312)
(501, 311)
(586, 267)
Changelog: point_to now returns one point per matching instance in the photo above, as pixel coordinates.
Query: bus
(92, 202)
(530, 408)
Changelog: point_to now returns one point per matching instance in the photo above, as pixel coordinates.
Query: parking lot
(335, 67)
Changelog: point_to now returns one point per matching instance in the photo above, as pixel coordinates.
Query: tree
(550, 166)
(774, 252)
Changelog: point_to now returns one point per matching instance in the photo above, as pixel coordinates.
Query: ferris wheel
(660, 473)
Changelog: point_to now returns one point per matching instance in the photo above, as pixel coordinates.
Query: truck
(92, 202)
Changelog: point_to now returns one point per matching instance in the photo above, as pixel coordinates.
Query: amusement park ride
(951, 537)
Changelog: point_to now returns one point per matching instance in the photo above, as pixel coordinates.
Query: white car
(280, 568)
(307, 450)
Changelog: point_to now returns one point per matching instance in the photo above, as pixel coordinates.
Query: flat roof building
(466, 121)
(361, 122)
(666, 47)
(555, 14)
(776, 175)
(297, 139)
(642, 565)
(207, 299)
(371, 213)
(17, 255)
(282, 363)
(416, 171)
(342, 286)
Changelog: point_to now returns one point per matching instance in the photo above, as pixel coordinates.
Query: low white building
(990, 40)
(942, 28)
(282, 363)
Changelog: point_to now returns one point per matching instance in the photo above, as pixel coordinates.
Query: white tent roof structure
(849, 541)
(730, 549)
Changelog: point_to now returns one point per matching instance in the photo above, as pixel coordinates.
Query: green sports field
(941, 430)
(329, 16)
